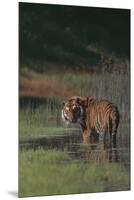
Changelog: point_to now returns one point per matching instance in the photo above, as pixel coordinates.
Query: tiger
(101, 116)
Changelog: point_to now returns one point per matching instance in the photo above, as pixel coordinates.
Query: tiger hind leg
(114, 140)
(113, 125)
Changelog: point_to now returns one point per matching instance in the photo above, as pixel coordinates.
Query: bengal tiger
(100, 116)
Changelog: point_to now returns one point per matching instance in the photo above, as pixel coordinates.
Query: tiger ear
(83, 101)
(63, 103)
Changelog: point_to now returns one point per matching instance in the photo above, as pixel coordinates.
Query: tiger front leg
(102, 137)
(86, 136)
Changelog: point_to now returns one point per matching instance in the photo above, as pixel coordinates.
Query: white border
(96, 3)
(9, 98)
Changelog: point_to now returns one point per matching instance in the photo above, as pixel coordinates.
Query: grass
(36, 132)
(37, 123)
(52, 172)
(107, 85)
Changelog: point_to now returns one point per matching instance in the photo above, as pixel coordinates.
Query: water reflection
(72, 143)
(101, 153)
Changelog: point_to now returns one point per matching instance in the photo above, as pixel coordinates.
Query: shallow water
(72, 144)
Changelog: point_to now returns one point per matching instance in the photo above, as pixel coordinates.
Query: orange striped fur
(100, 116)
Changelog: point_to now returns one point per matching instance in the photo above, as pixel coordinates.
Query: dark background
(62, 35)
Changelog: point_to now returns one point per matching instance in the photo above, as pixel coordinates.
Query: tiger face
(72, 111)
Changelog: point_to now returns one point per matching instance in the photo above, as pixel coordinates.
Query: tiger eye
(67, 108)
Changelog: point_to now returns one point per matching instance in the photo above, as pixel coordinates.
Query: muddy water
(72, 144)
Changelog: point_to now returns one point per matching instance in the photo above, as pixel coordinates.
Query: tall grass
(107, 86)
(114, 87)
(44, 120)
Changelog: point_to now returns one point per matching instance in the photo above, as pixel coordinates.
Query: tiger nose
(73, 120)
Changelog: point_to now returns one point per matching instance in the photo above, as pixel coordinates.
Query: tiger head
(73, 110)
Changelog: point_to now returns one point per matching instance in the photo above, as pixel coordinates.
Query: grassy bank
(42, 122)
(63, 85)
(52, 172)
